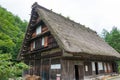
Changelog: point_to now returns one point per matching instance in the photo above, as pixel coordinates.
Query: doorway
(79, 75)
(96, 68)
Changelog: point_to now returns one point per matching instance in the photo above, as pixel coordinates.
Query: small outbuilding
(57, 48)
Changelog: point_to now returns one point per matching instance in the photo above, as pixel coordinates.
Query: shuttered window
(32, 45)
(45, 41)
(38, 30)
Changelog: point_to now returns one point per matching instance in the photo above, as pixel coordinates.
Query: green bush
(10, 68)
(118, 63)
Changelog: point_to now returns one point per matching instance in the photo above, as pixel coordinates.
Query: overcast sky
(96, 14)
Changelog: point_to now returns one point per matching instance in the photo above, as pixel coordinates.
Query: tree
(10, 68)
(112, 38)
(12, 29)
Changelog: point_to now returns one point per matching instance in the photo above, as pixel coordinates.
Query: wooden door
(79, 73)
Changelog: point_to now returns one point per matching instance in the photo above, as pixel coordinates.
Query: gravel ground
(115, 78)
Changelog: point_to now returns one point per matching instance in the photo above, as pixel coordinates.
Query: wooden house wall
(43, 68)
(68, 69)
(88, 68)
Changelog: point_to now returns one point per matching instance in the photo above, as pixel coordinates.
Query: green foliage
(9, 68)
(6, 44)
(112, 38)
(118, 63)
(12, 29)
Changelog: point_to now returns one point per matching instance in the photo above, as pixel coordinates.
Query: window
(86, 68)
(38, 30)
(45, 41)
(93, 66)
(109, 67)
(32, 45)
(100, 66)
(105, 67)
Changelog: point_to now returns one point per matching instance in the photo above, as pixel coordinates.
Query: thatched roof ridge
(74, 37)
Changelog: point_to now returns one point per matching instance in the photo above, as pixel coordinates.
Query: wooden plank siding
(49, 42)
(44, 28)
(68, 69)
(88, 68)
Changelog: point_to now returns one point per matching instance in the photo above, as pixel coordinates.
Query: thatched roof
(74, 37)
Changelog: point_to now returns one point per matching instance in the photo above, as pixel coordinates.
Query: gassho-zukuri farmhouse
(57, 48)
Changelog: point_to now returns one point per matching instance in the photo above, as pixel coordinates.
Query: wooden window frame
(32, 47)
(39, 30)
(93, 66)
(44, 41)
(33, 44)
(100, 66)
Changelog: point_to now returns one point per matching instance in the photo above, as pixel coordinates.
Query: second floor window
(38, 30)
(39, 43)
(45, 41)
(32, 45)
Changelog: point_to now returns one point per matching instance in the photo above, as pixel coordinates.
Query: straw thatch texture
(74, 37)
